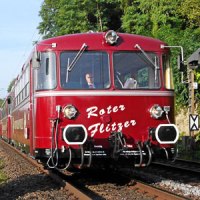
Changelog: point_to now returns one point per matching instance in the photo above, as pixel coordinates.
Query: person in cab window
(131, 82)
(90, 81)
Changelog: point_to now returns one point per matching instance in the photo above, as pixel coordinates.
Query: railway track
(66, 186)
(100, 185)
(180, 176)
(180, 164)
(112, 181)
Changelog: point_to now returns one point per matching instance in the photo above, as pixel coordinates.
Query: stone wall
(182, 121)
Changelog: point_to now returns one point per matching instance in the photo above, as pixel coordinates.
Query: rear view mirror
(36, 59)
(180, 63)
(9, 100)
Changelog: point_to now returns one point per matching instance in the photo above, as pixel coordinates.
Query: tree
(48, 13)
(190, 10)
(175, 22)
(1, 102)
(169, 21)
(73, 16)
(11, 85)
(150, 17)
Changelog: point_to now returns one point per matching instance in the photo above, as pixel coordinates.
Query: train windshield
(91, 70)
(134, 70)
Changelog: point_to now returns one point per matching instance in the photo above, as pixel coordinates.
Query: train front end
(102, 99)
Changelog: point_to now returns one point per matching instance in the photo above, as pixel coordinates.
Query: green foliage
(197, 138)
(1, 102)
(11, 85)
(150, 18)
(49, 13)
(190, 10)
(181, 136)
(3, 177)
(169, 21)
(175, 22)
(73, 16)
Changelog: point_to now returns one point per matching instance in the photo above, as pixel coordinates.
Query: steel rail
(66, 185)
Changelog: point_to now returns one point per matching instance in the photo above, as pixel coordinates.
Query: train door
(9, 127)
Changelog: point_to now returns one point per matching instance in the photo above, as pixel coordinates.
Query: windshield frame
(94, 64)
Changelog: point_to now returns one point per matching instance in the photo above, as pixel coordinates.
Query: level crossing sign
(194, 122)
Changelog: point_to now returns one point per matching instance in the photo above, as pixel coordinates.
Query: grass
(3, 177)
(189, 151)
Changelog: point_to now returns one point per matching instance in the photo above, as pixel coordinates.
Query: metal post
(191, 95)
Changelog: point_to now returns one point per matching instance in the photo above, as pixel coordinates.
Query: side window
(168, 77)
(3, 111)
(9, 104)
(45, 75)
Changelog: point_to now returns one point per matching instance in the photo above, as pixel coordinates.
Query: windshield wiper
(147, 57)
(76, 58)
(71, 65)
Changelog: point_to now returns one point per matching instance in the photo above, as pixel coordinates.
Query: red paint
(101, 111)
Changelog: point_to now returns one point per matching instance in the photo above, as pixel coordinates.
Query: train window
(167, 72)
(45, 75)
(95, 64)
(134, 71)
(47, 66)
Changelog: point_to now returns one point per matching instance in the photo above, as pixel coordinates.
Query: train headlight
(75, 134)
(156, 111)
(70, 111)
(111, 37)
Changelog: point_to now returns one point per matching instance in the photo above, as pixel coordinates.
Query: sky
(18, 29)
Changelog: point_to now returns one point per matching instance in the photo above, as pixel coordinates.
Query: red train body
(0, 123)
(5, 122)
(126, 116)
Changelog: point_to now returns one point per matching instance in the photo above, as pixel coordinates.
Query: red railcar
(5, 118)
(0, 122)
(85, 98)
